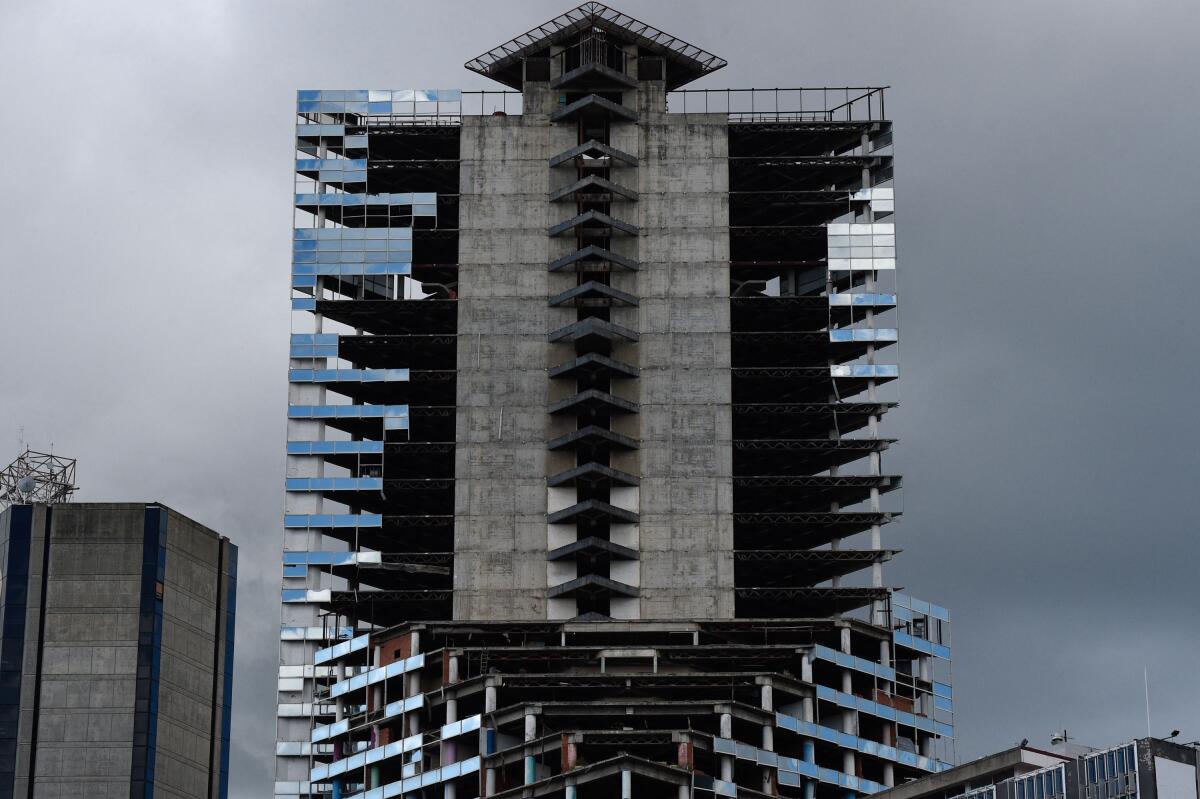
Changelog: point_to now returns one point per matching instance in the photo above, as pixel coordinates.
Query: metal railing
(592, 50)
(823, 104)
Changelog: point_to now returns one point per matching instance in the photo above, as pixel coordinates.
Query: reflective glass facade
(374, 253)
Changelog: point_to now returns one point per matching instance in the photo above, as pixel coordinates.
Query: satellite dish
(27, 484)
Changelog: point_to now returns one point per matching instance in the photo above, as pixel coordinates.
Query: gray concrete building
(586, 392)
(116, 662)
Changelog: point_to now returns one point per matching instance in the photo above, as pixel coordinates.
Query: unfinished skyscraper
(585, 486)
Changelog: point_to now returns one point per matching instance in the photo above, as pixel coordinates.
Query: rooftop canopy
(684, 62)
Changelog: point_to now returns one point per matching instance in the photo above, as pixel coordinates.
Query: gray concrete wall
(685, 500)
(185, 698)
(502, 425)
(89, 660)
(685, 425)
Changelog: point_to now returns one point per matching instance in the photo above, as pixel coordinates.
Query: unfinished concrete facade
(117, 659)
(584, 382)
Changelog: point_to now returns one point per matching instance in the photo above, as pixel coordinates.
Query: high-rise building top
(116, 663)
(602, 351)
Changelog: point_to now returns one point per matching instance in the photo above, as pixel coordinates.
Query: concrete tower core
(584, 438)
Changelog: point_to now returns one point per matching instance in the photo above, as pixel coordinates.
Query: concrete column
(569, 792)
(449, 749)
(626, 784)
(684, 792)
(809, 754)
(727, 760)
(848, 762)
(889, 775)
(845, 633)
(865, 144)
(836, 543)
(489, 706)
(413, 678)
(768, 737)
(530, 734)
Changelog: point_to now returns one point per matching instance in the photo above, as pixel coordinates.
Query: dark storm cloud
(1046, 181)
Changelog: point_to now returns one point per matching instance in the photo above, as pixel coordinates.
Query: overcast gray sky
(1047, 202)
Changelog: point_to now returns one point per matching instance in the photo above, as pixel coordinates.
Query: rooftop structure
(588, 379)
(37, 477)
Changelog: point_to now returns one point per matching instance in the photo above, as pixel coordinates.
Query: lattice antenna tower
(37, 477)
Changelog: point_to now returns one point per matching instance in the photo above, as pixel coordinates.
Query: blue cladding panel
(149, 654)
(227, 698)
(17, 532)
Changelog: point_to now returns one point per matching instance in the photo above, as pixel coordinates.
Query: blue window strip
(415, 783)
(865, 298)
(352, 199)
(942, 689)
(306, 131)
(921, 645)
(378, 674)
(334, 484)
(320, 558)
(352, 251)
(392, 267)
(305, 520)
(324, 732)
(379, 95)
(874, 708)
(828, 654)
(788, 765)
(348, 412)
(295, 571)
(306, 351)
(348, 375)
(304, 304)
(344, 233)
(848, 741)
(342, 649)
(842, 335)
(333, 447)
(864, 370)
(313, 339)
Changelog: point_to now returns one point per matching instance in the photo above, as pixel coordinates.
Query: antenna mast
(37, 477)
